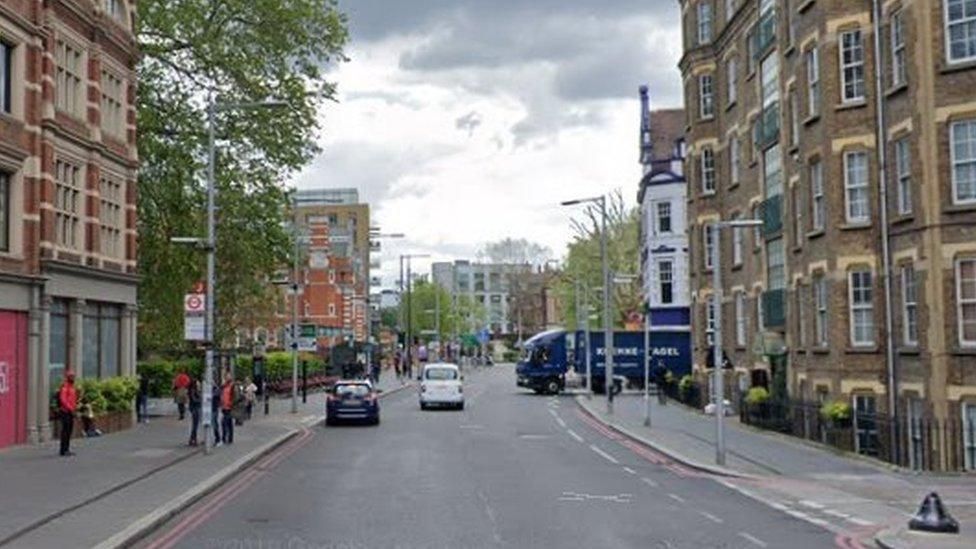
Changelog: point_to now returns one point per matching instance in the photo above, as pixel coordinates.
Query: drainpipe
(885, 244)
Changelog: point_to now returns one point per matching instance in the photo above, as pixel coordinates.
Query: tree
(516, 251)
(467, 316)
(227, 51)
(583, 263)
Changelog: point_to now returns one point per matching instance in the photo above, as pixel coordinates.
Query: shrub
(757, 396)
(686, 383)
(836, 411)
(113, 394)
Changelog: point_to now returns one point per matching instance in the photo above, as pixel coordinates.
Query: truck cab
(543, 364)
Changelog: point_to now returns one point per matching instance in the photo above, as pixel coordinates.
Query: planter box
(109, 422)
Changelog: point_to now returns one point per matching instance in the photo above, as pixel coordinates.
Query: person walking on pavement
(227, 409)
(195, 400)
(181, 387)
(250, 390)
(142, 399)
(239, 410)
(215, 420)
(67, 403)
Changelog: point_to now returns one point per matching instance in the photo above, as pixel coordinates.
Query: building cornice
(71, 268)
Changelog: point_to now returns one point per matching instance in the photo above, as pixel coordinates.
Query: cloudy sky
(467, 121)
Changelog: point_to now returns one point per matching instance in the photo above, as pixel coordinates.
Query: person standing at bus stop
(67, 404)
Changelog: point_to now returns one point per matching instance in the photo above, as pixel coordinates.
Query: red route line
(639, 449)
(217, 500)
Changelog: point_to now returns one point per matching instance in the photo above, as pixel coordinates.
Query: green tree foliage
(467, 317)
(583, 262)
(228, 51)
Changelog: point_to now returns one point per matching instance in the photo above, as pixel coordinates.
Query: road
(513, 469)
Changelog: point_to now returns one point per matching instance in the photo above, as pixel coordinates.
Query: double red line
(643, 451)
(225, 494)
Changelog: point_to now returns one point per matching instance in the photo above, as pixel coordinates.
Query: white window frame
(113, 103)
(6, 77)
(766, 5)
(964, 303)
(760, 317)
(705, 22)
(708, 245)
(909, 305)
(69, 199)
(903, 176)
(111, 216)
(708, 176)
(660, 215)
(71, 78)
(801, 317)
(794, 120)
(665, 276)
(969, 437)
(731, 80)
(860, 307)
(731, 6)
(959, 164)
(818, 204)
(737, 243)
(897, 35)
(964, 22)
(813, 81)
(735, 160)
(769, 71)
(706, 96)
(851, 72)
(797, 214)
(776, 264)
(857, 191)
(710, 315)
(740, 319)
(773, 171)
(821, 303)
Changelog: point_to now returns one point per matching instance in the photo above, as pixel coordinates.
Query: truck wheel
(552, 387)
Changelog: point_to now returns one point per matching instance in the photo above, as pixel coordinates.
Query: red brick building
(68, 167)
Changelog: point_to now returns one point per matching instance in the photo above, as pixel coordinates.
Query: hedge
(113, 394)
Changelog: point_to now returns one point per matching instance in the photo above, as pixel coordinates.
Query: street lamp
(607, 321)
(409, 321)
(716, 228)
(210, 245)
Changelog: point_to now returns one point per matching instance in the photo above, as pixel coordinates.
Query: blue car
(352, 401)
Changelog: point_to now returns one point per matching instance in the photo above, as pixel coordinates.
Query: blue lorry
(549, 355)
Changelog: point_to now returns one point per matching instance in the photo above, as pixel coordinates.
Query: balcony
(766, 129)
(774, 308)
(764, 35)
(771, 210)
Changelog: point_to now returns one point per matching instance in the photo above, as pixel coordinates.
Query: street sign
(484, 336)
(195, 304)
(194, 328)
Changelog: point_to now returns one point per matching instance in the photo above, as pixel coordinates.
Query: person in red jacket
(228, 394)
(67, 403)
(181, 390)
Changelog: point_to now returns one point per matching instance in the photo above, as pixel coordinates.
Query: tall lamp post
(607, 288)
(716, 229)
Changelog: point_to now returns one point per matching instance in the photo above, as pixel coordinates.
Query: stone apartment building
(855, 172)
(68, 167)
(488, 285)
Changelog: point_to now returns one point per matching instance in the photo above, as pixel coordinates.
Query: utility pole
(294, 312)
(208, 418)
(437, 316)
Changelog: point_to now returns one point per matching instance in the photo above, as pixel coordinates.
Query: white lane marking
(677, 498)
(811, 504)
(859, 521)
(778, 506)
(560, 421)
(834, 513)
(553, 413)
(818, 522)
(573, 434)
(629, 470)
(605, 455)
(797, 514)
(753, 539)
(649, 482)
(711, 517)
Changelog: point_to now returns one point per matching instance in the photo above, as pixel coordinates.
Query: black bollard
(932, 517)
(267, 398)
(304, 382)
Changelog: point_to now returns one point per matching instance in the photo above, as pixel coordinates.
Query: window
(756, 229)
(730, 8)
(708, 170)
(963, 152)
(770, 79)
(766, 5)
(773, 171)
(735, 160)
(966, 301)
(898, 76)
(904, 176)
(737, 243)
(116, 10)
(704, 22)
(819, 202)
(706, 99)
(776, 264)
(710, 321)
(851, 66)
(6, 76)
(760, 318)
(813, 81)
(797, 215)
(801, 316)
(740, 319)
(709, 248)
(865, 425)
(960, 30)
(861, 308)
(113, 101)
(57, 347)
(731, 81)
(909, 304)
(67, 204)
(664, 217)
(665, 276)
(820, 310)
(332, 309)
(4, 212)
(100, 345)
(68, 79)
(969, 434)
(794, 121)
(856, 186)
(110, 217)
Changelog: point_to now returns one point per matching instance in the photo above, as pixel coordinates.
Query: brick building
(784, 120)
(68, 170)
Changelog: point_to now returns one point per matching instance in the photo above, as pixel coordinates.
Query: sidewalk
(116, 480)
(806, 479)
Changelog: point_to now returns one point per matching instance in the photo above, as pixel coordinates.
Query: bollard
(932, 517)
(304, 382)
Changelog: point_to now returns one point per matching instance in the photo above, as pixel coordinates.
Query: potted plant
(836, 413)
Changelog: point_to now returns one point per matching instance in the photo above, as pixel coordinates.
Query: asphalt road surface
(512, 470)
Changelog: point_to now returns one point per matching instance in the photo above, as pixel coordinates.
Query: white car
(441, 385)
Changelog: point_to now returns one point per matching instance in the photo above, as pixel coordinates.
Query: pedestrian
(250, 390)
(227, 409)
(181, 386)
(195, 401)
(239, 406)
(67, 402)
(376, 371)
(215, 392)
(142, 399)
(398, 364)
(88, 420)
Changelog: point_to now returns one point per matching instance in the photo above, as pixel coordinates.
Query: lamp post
(409, 320)
(607, 287)
(716, 229)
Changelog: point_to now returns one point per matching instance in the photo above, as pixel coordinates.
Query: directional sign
(195, 304)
